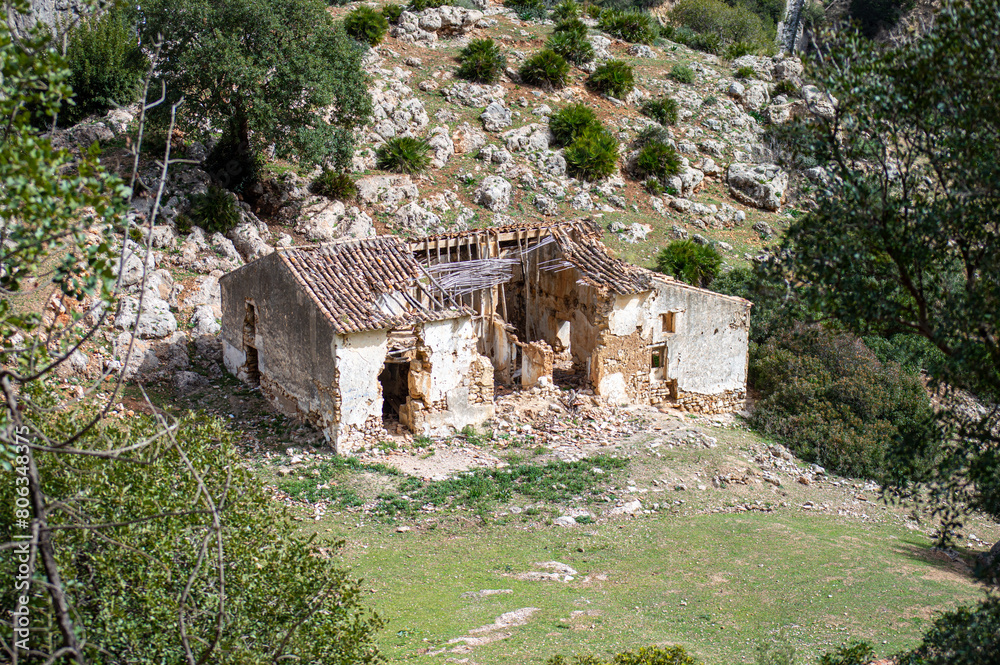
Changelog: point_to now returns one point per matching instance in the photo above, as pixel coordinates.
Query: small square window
(669, 320)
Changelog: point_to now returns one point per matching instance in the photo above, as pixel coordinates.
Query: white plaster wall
(232, 357)
(708, 352)
(630, 312)
(358, 359)
(452, 345)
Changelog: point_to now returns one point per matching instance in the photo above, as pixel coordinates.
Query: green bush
(966, 636)
(663, 110)
(570, 122)
(657, 160)
(565, 10)
(482, 61)
(593, 155)
(873, 16)
(421, 5)
(705, 42)
(215, 210)
(631, 26)
(546, 69)
(740, 49)
(730, 24)
(855, 653)
(651, 134)
(690, 262)
(571, 26)
(392, 13)
(654, 186)
(614, 78)
(786, 88)
(366, 25)
(672, 655)
(403, 154)
(528, 10)
(572, 46)
(828, 398)
(682, 74)
(812, 14)
(107, 65)
(334, 185)
(746, 73)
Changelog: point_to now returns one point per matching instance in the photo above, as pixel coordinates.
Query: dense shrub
(421, 5)
(529, 9)
(657, 160)
(652, 134)
(854, 653)
(682, 74)
(672, 655)
(334, 185)
(740, 49)
(812, 14)
(715, 17)
(482, 61)
(403, 154)
(966, 636)
(828, 398)
(571, 45)
(746, 73)
(107, 65)
(688, 261)
(570, 122)
(873, 16)
(546, 69)
(654, 186)
(565, 10)
(392, 13)
(614, 78)
(593, 155)
(663, 110)
(215, 210)
(366, 25)
(631, 26)
(769, 11)
(706, 42)
(572, 26)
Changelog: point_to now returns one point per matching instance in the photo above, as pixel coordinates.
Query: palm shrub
(107, 65)
(593, 155)
(614, 78)
(529, 9)
(688, 261)
(546, 69)
(566, 9)
(571, 25)
(631, 26)
(740, 49)
(571, 45)
(366, 25)
(403, 154)
(746, 73)
(334, 185)
(421, 5)
(682, 74)
(652, 134)
(482, 61)
(215, 210)
(392, 12)
(663, 110)
(570, 122)
(657, 160)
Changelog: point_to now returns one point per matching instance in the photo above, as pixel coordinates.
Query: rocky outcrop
(758, 185)
(494, 194)
(436, 23)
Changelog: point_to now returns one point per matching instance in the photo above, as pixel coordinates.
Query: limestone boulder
(496, 117)
(494, 194)
(154, 321)
(247, 241)
(758, 185)
(389, 190)
(442, 145)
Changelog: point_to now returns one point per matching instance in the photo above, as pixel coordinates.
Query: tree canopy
(905, 238)
(277, 73)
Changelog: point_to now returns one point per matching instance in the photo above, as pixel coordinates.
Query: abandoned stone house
(358, 335)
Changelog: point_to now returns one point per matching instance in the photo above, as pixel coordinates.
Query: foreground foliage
(251, 590)
(905, 238)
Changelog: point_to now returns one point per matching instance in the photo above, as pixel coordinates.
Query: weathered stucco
(358, 360)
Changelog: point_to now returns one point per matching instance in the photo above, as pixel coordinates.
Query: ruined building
(358, 334)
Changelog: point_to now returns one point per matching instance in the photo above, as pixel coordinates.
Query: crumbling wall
(358, 360)
(451, 383)
(536, 364)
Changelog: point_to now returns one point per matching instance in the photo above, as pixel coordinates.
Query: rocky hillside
(493, 162)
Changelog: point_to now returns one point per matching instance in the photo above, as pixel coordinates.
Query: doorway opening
(395, 388)
(252, 364)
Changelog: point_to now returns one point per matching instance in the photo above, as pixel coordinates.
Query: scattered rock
(495, 117)
(759, 185)
(493, 194)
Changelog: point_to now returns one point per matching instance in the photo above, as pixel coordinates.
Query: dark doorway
(252, 364)
(395, 388)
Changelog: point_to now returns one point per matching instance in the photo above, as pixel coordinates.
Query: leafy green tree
(280, 72)
(905, 238)
(687, 260)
